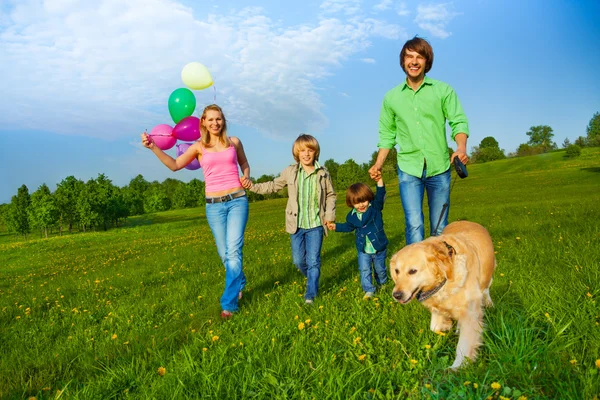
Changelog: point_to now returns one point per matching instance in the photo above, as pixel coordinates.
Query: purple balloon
(181, 148)
(188, 129)
(162, 136)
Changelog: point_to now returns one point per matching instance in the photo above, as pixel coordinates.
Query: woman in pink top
(226, 201)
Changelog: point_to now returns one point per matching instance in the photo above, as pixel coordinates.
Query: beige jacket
(326, 193)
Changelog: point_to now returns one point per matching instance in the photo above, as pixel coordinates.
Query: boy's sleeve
(344, 227)
(330, 200)
(379, 197)
(272, 186)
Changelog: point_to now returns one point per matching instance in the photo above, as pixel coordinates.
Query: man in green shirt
(414, 115)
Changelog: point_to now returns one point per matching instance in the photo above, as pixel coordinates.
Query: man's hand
(375, 172)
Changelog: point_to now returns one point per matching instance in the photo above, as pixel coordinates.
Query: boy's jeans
(364, 268)
(411, 193)
(306, 255)
(227, 221)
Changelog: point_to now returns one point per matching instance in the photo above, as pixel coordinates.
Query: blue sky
(81, 80)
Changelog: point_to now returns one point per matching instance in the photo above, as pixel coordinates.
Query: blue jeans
(306, 255)
(365, 261)
(227, 222)
(411, 193)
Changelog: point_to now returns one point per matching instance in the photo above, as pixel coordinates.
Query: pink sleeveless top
(220, 169)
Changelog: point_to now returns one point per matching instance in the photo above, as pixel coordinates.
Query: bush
(573, 151)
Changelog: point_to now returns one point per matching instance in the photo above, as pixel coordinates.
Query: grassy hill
(96, 315)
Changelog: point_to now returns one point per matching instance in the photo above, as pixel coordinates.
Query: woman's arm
(194, 151)
(241, 156)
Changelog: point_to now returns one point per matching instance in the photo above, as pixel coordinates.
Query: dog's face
(419, 267)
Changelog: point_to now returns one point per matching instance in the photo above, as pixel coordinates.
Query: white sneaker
(308, 301)
(368, 295)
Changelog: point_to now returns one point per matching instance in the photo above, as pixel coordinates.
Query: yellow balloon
(196, 76)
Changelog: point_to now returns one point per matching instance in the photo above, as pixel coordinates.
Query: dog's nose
(397, 295)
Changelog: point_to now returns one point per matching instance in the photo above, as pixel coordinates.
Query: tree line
(98, 204)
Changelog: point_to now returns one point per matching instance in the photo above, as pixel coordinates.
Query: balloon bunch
(182, 104)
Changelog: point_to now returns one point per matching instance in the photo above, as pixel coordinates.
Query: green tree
(541, 135)
(104, 204)
(66, 194)
(566, 143)
(156, 198)
(573, 151)
(86, 205)
(43, 212)
(197, 193)
(488, 150)
(348, 173)
(135, 193)
(18, 220)
(581, 141)
(593, 131)
(332, 167)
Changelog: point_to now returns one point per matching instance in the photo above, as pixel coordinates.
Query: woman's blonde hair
(357, 193)
(305, 140)
(205, 136)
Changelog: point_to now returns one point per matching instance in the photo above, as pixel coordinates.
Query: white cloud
(435, 17)
(368, 60)
(107, 68)
(383, 5)
(348, 7)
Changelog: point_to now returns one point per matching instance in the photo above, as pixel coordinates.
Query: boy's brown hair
(305, 140)
(357, 193)
(422, 47)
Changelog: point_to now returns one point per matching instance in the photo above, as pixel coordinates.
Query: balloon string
(215, 95)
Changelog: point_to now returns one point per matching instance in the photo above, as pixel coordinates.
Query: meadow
(134, 312)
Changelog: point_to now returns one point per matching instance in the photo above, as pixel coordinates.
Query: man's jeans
(227, 221)
(411, 193)
(306, 255)
(364, 268)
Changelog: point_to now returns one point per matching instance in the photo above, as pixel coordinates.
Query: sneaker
(226, 314)
(308, 301)
(368, 295)
(240, 294)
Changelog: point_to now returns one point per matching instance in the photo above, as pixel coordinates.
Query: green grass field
(134, 312)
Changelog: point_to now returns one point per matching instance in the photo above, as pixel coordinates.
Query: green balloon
(182, 103)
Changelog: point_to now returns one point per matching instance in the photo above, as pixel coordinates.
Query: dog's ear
(441, 256)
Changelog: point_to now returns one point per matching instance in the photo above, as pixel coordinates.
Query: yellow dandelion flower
(215, 338)
(518, 238)
(547, 315)
(496, 385)
(589, 294)
(204, 349)
(440, 333)
(573, 361)
(320, 307)
(504, 398)
(428, 386)
(371, 390)
(467, 383)
(296, 317)
(501, 274)
(598, 363)
(301, 325)
(114, 336)
(356, 340)
(522, 398)
(362, 357)
(427, 346)
(413, 361)
(161, 371)
(475, 385)
(307, 322)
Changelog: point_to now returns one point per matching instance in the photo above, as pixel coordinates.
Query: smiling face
(362, 206)
(306, 156)
(417, 268)
(414, 65)
(213, 122)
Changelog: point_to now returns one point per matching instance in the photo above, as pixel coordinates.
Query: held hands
(246, 182)
(147, 141)
(330, 225)
(375, 172)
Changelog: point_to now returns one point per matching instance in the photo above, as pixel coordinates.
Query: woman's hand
(246, 182)
(147, 141)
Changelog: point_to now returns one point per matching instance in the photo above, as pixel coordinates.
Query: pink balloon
(188, 129)
(162, 136)
(181, 148)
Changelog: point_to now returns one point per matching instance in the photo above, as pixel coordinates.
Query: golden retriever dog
(451, 275)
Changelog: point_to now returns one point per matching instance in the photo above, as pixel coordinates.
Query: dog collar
(422, 296)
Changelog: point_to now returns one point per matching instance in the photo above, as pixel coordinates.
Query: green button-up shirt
(416, 121)
(308, 198)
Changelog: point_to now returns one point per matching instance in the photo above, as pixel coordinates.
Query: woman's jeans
(369, 262)
(227, 221)
(306, 255)
(411, 193)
